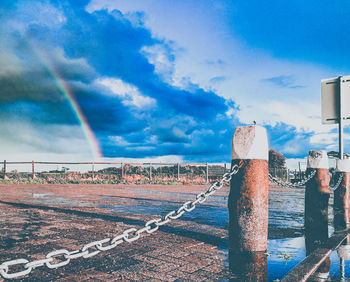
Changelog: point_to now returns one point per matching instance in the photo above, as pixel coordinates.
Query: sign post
(335, 94)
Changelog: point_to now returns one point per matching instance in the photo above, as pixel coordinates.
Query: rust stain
(248, 207)
(342, 204)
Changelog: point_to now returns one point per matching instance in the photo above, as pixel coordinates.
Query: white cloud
(119, 141)
(129, 94)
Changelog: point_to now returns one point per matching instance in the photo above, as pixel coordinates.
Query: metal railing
(111, 172)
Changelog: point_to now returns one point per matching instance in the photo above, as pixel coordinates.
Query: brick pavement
(37, 219)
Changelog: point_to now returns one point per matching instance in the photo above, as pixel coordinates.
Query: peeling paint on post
(248, 198)
(342, 196)
(317, 193)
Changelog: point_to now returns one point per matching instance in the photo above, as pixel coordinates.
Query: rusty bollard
(316, 208)
(317, 192)
(248, 204)
(342, 196)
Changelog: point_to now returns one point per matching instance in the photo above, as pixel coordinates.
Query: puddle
(40, 195)
(47, 199)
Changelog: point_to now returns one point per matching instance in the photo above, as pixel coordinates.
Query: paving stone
(31, 228)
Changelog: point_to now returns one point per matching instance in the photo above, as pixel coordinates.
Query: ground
(38, 219)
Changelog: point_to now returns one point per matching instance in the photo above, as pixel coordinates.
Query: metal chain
(59, 258)
(293, 185)
(337, 185)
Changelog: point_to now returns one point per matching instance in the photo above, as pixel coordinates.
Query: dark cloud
(82, 47)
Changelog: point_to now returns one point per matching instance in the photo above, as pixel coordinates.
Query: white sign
(331, 92)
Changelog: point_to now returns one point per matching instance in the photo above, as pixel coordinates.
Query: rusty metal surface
(249, 267)
(342, 203)
(317, 194)
(248, 207)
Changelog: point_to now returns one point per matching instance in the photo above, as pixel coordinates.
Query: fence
(112, 172)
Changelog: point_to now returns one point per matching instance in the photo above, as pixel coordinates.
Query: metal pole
(33, 172)
(207, 174)
(93, 170)
(150, 171)
(341, 124)
(4, 169)
(122, 170)
(342, 268)
(178, 171)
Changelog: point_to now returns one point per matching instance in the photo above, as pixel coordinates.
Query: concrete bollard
(317, 192)
(342, 196)
(248, 198)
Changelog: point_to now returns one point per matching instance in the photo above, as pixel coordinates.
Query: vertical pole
(178, 172)
(150, 171)
(4, 169)
(248, 204)
(33, 170)
(207, 174)
(341, 124)
(342, 196)
(299, 170)
(93, 170)
(122, 167)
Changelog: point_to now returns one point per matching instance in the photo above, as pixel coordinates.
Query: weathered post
(342, 196)
(316, 207)
(122, 167)
(317, 192)
(248, 204)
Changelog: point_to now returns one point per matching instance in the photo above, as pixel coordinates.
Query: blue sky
(167, 80)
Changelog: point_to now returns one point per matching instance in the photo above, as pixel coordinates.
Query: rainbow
(68, 95)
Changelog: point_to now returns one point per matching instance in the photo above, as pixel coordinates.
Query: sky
(163, 80)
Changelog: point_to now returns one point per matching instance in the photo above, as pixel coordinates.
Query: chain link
(337, 185)
(293, 185)
(106, 244)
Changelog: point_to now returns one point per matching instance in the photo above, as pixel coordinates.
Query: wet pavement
(37, 219)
